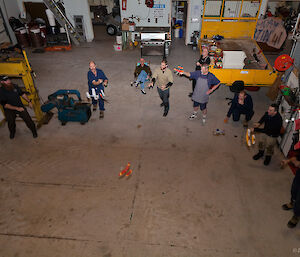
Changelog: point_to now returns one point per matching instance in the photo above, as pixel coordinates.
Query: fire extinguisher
(149, 3)
(124, 5)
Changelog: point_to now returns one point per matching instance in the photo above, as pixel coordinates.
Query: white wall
(72, 7)
(80, 7)
(193, 22)
(9, 8)
(263, 8)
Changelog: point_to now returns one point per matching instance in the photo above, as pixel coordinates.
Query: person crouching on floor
(241, 104)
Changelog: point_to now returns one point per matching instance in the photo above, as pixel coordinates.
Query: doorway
(105, 15)
(179, 14)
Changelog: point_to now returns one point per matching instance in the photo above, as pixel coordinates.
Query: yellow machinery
(19, 67)
(236, 21)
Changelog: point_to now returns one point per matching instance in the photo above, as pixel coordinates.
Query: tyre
(63, 123)
(111, 30)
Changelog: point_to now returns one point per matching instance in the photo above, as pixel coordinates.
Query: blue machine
(69, 109)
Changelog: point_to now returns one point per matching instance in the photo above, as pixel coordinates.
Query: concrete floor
(191, 193)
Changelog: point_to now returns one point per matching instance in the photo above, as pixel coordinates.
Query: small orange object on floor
(125, 170)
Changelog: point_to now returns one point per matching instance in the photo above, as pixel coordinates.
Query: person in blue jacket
(241, 104)
(97, 80)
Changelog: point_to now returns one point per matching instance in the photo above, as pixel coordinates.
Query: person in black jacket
(241, 104)
(13, 106)
(272, 125)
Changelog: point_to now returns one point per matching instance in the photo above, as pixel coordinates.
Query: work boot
(166, 110)
(293, 221)
(94, 107)
(143, 91)
(267, 160)
(12, 134)
(190, 94)
(245, 124)
(34, 134)
(258, 155)
(287, 206)
(101, 116)
(162, 104)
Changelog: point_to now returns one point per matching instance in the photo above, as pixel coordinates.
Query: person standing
(204, 59)
(97, 80)
(13, 106)
(241, 104)
(205, 85)
(294, 203)
(163, 78)
(267, 139)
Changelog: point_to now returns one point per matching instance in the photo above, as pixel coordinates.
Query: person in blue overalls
(97, 80)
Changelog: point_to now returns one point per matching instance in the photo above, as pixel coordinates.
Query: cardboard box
(125, 26)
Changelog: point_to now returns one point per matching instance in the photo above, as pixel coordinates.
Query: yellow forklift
(19, 67)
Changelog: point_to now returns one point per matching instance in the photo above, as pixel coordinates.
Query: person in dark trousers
(294, 204)
(13, 106)
(163, 78)
(206, 84)
(272, 126)
(97, 80)
(204, 59)
(241, 104)
(142, 73)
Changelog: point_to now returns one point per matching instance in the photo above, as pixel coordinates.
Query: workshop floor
(190, 194)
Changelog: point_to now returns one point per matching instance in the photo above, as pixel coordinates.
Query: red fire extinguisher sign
(124, 5)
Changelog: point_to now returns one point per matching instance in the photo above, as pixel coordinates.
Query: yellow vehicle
(236, 22)
(19, 67)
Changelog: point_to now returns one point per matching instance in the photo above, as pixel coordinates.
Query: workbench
(253, 73)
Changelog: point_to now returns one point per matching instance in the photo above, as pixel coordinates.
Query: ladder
(64, 21)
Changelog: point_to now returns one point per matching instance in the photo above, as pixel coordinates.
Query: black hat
(4, 78)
